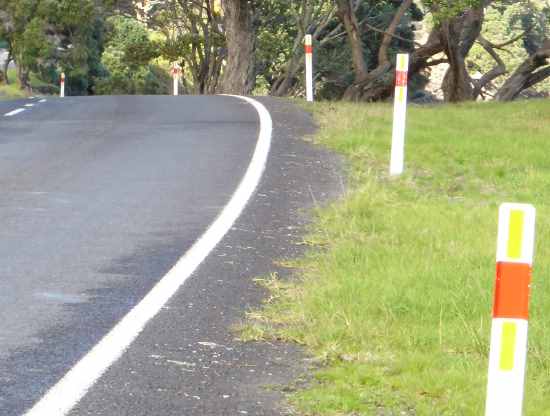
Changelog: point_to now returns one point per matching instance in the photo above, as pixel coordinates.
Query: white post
(176, 74)
(508, 353)
(309, 68)
(176, 85)
(62, 91)
(399, 115)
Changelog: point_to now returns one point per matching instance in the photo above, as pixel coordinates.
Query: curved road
(99, 198)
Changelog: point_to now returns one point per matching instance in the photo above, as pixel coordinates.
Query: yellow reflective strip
(515, 234)
(508, 346)
(400, 93)
(402, 62)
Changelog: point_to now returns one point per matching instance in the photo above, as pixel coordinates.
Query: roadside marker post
(309, 67)
(62, 90)
(508, 353)
(399, 115)
(176, 74)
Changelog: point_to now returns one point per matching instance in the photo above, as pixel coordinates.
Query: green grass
(394, 297)
(12, 91)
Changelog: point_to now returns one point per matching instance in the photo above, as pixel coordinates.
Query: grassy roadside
(13, 92)
(395, 295)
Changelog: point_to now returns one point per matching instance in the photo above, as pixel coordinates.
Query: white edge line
(29, 105)
(42, 100)
(66, 394)
(14, 112)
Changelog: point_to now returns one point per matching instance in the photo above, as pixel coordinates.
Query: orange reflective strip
(309, 49)
(401, 78)
(512, 290)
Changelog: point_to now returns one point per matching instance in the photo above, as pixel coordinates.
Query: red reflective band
(512, 290)
(309, 49)
(401, 78)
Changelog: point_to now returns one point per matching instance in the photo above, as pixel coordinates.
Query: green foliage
(51, 36)
(132, 39)
(126, 59)
(442, 9)
(76, 37)
(277, 30)
(37, 48)
(191, 34)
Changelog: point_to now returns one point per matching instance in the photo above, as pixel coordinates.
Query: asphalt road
(100, 198)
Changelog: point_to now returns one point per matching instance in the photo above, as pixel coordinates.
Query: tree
(240, 34)
(280, 55)
(127, 60)
(193, 37)
(535, 69)
(47, 37)
(512, 42)
(374, 82)
(459, 34)
(6, 35)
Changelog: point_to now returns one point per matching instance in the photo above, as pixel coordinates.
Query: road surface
(100, 198)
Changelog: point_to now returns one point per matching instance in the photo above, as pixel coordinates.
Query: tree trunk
(308, 15)
(239, 73)
(498, 70)
(23, 78)
(527, 74)
(377, 84)
(347, 16)
(387, 39)
(6, 67)
(457, 84)
(458, 36)
(286, 81)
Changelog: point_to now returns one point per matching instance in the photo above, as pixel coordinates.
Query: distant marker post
(508, 354)
(309, 67)
(176, 74)
(399, 115)
(62, 90)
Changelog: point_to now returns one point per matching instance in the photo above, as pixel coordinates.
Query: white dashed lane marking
(14, 112)
(20, 110)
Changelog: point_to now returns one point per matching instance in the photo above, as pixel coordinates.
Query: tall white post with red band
(62, 87)
(309, 67)
(399, 115)
(508, 355)
(176, 72)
